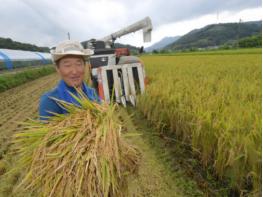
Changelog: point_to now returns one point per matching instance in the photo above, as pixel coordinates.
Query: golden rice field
(213, 103)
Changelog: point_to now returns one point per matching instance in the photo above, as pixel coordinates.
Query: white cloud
(45, 22)
(183, 27)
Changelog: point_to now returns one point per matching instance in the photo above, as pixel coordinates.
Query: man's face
(72, 70)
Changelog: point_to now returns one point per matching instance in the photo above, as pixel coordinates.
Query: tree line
(251, 41)
(8, 43)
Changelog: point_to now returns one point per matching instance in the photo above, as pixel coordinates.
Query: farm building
(10, 59)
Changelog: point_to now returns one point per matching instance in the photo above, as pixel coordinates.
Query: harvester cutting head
(121, 82)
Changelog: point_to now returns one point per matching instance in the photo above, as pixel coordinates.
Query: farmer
(69, 58)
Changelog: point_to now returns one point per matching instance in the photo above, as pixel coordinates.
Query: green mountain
(8, 43)
(217, 34)
(162, 43)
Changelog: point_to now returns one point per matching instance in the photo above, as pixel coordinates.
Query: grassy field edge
(11, 80)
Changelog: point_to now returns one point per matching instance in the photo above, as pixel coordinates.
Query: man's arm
(47, 105)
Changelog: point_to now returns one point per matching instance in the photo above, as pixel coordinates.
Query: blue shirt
(61, 92)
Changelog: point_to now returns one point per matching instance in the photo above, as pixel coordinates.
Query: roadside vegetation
(10, 80)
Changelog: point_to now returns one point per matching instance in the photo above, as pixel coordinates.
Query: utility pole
(68, 35)
(238, 32)
(217, 17)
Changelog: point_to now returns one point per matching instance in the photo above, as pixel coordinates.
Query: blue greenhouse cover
(20, 55)
(9, 56)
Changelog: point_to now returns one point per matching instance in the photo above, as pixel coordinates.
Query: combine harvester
(113, 71)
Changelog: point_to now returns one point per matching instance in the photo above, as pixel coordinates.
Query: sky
(45, 22)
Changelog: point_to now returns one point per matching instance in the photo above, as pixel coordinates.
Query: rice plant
(213, 103)
(82, 153)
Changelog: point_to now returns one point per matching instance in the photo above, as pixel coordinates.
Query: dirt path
(155, 178)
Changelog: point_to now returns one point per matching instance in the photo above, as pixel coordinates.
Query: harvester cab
(114, 73)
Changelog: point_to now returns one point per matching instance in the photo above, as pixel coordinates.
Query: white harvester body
(118, 76)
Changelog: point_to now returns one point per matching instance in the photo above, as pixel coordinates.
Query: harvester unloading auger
(113, 71)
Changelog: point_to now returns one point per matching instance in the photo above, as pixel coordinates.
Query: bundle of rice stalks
(82, 153)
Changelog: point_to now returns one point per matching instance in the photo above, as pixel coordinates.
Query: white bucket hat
(69, 47)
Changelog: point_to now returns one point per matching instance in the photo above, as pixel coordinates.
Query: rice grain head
(82, 153)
